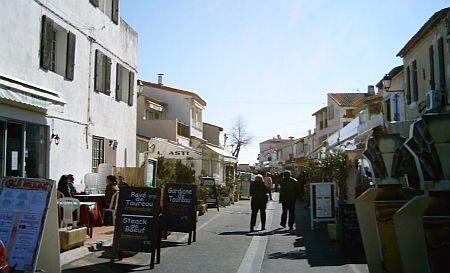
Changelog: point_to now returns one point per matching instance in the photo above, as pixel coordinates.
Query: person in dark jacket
(63, 185)
(258, 192)
(289, 191)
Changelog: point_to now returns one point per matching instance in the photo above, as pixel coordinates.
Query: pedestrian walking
(269, 184)
(258, 192)
(289, 191)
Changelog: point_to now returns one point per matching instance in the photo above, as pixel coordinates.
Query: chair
(60, 195)
(112, 207)
(68, 205)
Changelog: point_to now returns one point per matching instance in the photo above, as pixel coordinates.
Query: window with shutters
(124, 84)
(408, 85)
(57, 52)
(441, 64)
(102, 77)
(108, 7)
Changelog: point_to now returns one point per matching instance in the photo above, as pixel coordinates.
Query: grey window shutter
(131, 89)
(46, 42)
(70, 58)
(107, 82)
(118, 82)
(98, 82)
(115, 11)
(94, 2)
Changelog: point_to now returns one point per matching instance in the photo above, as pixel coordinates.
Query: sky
(272, 62)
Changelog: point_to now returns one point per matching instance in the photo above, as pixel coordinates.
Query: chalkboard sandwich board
(179, 212)
(137, 221)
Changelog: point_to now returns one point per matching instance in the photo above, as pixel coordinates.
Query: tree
(239, 137)
(184, 173)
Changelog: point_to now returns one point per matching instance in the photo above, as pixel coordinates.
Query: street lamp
(386, 82)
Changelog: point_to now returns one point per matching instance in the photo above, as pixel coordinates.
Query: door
(14, 149)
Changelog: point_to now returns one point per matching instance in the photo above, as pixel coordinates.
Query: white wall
(19, 57)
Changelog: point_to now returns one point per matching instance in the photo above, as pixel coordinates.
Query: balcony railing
(183, 130)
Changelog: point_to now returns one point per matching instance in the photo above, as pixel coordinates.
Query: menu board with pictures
(23, 208)
(137, 219)
(179, 213)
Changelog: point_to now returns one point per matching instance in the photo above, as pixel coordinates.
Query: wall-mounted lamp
(386, 82)
(55, 137)
(113, 144)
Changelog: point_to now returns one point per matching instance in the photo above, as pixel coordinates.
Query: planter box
(70, 238)
(202, 208)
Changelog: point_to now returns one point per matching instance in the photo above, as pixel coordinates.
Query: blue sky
(271, 61)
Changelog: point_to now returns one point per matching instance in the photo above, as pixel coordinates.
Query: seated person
(111, 188)
(63, 185)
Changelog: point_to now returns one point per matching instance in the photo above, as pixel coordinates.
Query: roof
(147, 97)
(432, 22)
(394, 71)
(348, 99)
(175, 90)
(320, 110)
(274, 140)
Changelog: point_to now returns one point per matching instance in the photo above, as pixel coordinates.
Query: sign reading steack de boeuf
(137, 219)
(179, 211)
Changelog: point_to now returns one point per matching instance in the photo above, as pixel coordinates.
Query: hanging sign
(179, 208)
(23, 211)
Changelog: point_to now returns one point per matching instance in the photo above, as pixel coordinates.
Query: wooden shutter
(415, 93)
(46, 42)
(408, 85)
(118, 82)
(130, 89)
(431, 60)
(107, 74)
(98, 81)
(94, 2)
(115, 11)
(70, 57)
(441, 63)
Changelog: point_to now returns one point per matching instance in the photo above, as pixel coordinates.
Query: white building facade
(67, 88)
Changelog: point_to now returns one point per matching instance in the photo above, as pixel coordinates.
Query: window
(415, 86)
(124, 84)
(441, 63)
(98, 152)
(387, 110)
(349, 113)
(57, 52)
(102, 77)
(331, 112)
(149, 114)
(197, 118)
(108, 7)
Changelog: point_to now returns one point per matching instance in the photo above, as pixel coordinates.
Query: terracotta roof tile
(348, 99)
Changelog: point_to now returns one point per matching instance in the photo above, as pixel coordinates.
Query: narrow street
(224, 245)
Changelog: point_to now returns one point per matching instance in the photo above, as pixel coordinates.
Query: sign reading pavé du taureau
(137, 219)
(179, 211)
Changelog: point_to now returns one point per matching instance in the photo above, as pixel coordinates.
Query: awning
(219, 151)
(19, 91)
(171, 149)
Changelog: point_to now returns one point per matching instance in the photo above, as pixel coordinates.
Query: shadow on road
(314, 245)
(108, 267)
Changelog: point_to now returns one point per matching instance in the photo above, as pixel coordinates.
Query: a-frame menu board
(137, 221)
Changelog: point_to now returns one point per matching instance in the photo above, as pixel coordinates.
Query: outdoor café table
(90, 214)
(93, 197)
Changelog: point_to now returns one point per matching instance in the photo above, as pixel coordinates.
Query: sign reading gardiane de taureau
(179, 208)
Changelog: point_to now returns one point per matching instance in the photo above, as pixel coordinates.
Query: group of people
(113, 184)
(261, 191)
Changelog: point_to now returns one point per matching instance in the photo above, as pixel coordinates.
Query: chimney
(309, 132)
(278, 136)
(371, 90)
(160, 79)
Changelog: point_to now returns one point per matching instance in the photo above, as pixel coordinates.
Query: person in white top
(268, 183)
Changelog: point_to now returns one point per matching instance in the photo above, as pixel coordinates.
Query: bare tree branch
(239, 136)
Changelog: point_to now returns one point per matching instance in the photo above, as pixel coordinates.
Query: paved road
(224, 245)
